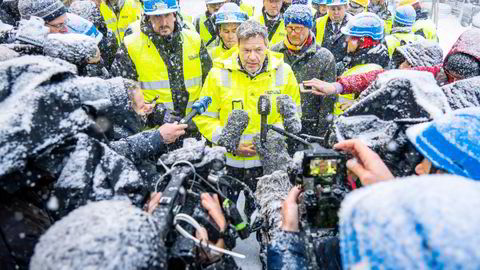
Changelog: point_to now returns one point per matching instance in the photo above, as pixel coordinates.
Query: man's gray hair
(251, 28)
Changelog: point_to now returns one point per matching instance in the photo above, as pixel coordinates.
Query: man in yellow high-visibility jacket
(271, 17)
(170, 63)
(251, 71)
(119, 14)
(205, 23)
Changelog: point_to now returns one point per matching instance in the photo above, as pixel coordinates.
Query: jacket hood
(421, 54)
(467, 43)
(274, 60)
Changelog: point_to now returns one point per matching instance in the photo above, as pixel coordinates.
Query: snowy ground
(449, 29)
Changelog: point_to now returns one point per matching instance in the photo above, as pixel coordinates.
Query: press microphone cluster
(231, 135)
(198, 107)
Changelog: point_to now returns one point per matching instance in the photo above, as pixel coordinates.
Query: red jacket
(358, 83)
(467, 43)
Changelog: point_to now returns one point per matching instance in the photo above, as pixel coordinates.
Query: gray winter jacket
(309, 63)
(419, 54)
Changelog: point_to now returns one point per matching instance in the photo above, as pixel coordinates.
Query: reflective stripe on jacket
(153, 73)
(399, 39)
(280, 33)
(227, 85)
(131, 12)
(358, 69)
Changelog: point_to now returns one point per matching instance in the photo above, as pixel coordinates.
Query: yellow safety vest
(428, 28)
(186, 17)
(204, 34)
(395, 40)
(249, 9)
(153, 73)
(279, 35)
(388, 24)
(321, 24)
(131, 12)
(226, 85)
(358, 69)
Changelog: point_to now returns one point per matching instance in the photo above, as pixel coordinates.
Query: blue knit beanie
(300, 2)
(299, 14)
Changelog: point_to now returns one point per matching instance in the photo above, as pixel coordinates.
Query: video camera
(189, 172)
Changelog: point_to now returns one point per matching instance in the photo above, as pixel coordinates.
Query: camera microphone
(287, 108)
(231, 135)
(264, 108)
(198, 107)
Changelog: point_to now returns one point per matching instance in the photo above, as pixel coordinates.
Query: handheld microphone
(264, 108)
(231, 135)
(198, 107)
(288, 110)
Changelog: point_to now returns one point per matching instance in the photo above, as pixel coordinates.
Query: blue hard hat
(336, 2)
(319, 2)
(159, 7)
(365, 24)
(230, 13)
(405, 15)
(451, 143)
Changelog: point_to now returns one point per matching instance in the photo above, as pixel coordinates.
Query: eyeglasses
(296, 29)
(58, 25)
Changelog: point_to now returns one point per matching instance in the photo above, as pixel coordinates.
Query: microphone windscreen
(264, 105)
(287, 108)
(273, 153)
(272, 190)
(232, 132)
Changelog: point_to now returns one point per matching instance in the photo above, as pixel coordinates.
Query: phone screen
(323, 167)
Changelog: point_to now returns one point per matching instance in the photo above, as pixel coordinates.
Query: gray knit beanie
(48, 10)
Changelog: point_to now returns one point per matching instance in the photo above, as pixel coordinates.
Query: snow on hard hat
(159, 7)
(336, 2)
(230, 13)
(365, 24)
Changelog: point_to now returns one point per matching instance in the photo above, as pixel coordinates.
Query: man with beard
(170, 63)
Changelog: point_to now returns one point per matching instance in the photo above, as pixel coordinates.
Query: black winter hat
(463, 64)
(48, 10)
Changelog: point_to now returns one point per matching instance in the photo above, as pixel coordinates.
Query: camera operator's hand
(290, 210)
(246, 150)
(320, 88)
(212, 205)
(152, 202)
(171, 132)
(367, 165)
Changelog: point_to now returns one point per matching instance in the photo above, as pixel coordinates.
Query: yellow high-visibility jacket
(153, 73)
(280, 33)
(358, 69)
(226, 83)
(219, 53)
(247, 8)
(203, 31)
(131, 12)
(428, 28)
(394, 40)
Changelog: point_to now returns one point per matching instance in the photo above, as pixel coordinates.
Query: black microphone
(198, 107)
(264, 108)
(287, 108)
(231, 135)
